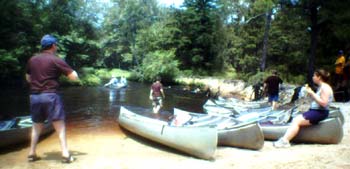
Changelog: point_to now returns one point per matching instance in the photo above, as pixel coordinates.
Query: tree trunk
(314, 40)
(265, 40)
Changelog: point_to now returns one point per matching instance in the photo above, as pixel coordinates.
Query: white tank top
(315, 105)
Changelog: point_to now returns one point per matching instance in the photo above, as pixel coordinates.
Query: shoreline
(107, 146)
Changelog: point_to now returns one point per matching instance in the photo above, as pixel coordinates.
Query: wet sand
(106, 146)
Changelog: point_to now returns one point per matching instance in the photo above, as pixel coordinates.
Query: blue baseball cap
(48, 40)
(340, 52)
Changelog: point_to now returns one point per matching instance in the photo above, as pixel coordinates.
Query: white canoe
(200, 142)
(118, 85)
(231, 132)
(328, 131)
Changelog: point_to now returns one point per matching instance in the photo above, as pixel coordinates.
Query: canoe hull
(329, 131)
(249, 137)
(20, 135)
(200, 141)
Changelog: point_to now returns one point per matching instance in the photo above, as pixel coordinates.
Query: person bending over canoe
(114, 81)
(318, 111)
(156, 94)
(42, 73)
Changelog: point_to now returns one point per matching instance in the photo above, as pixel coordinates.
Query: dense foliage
(202, 37)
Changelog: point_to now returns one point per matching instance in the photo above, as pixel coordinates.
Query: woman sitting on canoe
(318, 111)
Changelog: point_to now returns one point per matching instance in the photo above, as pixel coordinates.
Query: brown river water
(93, 110)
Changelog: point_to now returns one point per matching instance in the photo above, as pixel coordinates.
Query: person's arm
(28, 77)
(109, 83)
(73, 75)
(323, 99)
(150, 95)
(265, 87)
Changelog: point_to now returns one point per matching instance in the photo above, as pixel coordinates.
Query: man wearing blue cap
(42, 73)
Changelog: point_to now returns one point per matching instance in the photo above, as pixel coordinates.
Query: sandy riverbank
(109, 147)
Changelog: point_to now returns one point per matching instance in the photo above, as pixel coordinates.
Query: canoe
(234, 102)
(336, 112)
(211, 108)
(231, 132)
(199, 142)
(273, 116)
(248, 104)
(18, 130)
(274, 124)
(246, 114)
(214, 107)
(328, 131)
(118, 85)
(252, 114)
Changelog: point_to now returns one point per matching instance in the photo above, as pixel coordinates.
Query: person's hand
(150, 97)
(308, 89)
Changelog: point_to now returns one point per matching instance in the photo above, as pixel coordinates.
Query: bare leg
(155, 109)
(36, 130)
(292, 131)
(60, 128)
(274, 105)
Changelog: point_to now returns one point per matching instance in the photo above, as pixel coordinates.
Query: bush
(103, 74)
(87, 70)
(298, 79)
(259, 77)
(186, 73)
(159, 63)
(91, 80)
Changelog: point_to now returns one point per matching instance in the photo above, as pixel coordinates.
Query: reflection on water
(117, 95)
(98, 107)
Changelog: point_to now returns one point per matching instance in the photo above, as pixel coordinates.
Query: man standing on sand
(42, 73)
(271, 84)
(156, 94)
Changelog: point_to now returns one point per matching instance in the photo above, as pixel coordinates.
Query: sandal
(32, 158)
(68, 159)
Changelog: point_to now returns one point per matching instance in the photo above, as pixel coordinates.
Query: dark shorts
(157, 101)
(46, 106)
(273, 97)
(315, 116)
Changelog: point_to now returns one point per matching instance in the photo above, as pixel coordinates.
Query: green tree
(121, 26)
(201, 25)
(157, 47)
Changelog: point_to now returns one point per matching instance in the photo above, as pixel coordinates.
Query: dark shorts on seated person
(315, 116)
(46, 106)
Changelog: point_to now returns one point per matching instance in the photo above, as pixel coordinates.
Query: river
(91, 106)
